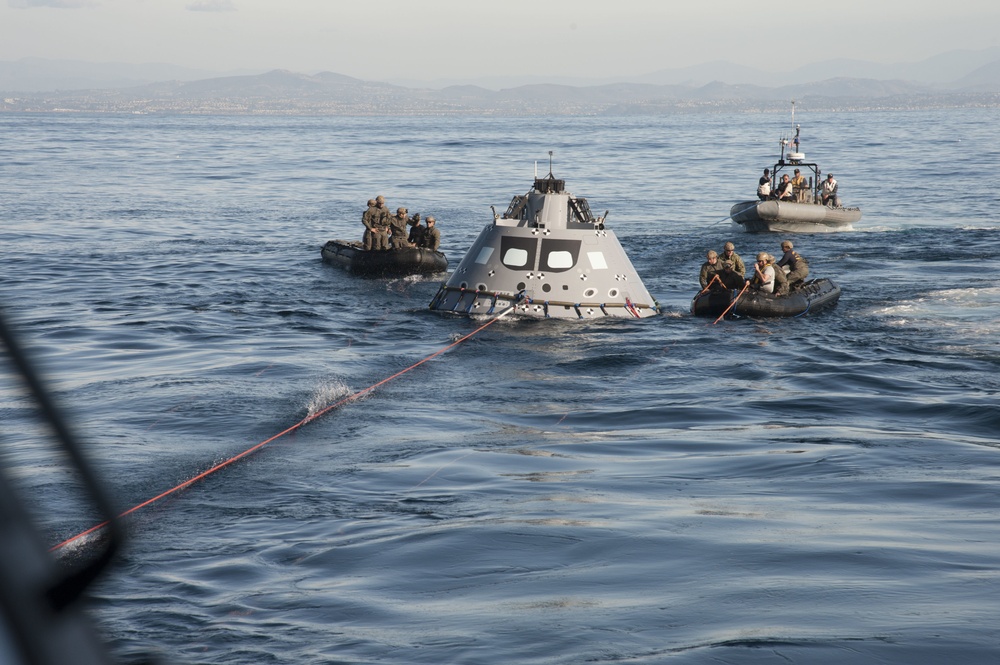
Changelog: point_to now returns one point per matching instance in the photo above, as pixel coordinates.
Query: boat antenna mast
(550, 165)
(795, 141)
(794, 156)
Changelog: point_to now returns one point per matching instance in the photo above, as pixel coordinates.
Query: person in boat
(730, 278)
(398, 224)
(764, 186)
(829, 192)
(780, 280)
(416, 235)
(729, 254)
(798, 268)
(368, 219)
(799, 186)
(784, 191)
(432, 236)
(709, 269)
(381, 224)
(763, 278)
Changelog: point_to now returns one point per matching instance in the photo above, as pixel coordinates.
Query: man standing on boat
(416, 235)
(380, 223)
(764, 186)
(829, 192)
(799, 186)
(432, 236)
(398, 223)
(368, 219)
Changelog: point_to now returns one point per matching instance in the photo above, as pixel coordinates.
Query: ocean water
(814, 490)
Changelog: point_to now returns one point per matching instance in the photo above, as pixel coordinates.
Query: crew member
(730, 278)
(709, 268)
(416, 234)
(432, 236)
(764, 186)
(368, 219)
(763, 278)
(398, 224)
(780, 280)
(783, 192)
(799, 186)
(381, 224)
(828, 195)
(798, 268)
(729, 254)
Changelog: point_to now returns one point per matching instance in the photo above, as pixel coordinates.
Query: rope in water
(311, 417)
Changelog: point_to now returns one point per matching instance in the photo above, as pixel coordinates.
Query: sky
(428, 40)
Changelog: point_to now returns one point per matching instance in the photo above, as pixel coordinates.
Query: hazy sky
(430, 39)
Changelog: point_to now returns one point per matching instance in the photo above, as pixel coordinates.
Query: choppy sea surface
(814, 490)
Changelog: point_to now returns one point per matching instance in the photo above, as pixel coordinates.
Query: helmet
(729, 247)
(787, 244)
(371, 202)
(380, 199)
(728, 265)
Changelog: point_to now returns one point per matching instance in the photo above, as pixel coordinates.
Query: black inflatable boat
(354, 258)
(814, 296)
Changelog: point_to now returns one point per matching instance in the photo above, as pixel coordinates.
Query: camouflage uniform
(432, 237)
(738, 264)
(709, 268)
(798, 269)
(398, 223)
(368, 219)
(780, 280)
(380, 224)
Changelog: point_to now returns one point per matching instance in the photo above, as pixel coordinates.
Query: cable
(308, 419)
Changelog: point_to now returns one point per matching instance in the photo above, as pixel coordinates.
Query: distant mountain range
(946, 70)
(955, 78)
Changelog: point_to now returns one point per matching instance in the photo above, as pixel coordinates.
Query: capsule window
(515, 258)
(518, 252)
(559, 255)
(559, 260)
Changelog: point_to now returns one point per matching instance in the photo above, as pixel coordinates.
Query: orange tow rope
(307, 419)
